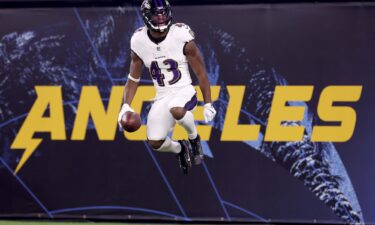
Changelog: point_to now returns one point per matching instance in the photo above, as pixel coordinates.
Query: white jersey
(166, 60)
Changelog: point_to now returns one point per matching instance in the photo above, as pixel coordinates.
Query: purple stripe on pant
(192, 103)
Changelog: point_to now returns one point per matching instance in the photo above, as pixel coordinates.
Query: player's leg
(185, 118)
(181, 107)
(159, 123)
(166, 145)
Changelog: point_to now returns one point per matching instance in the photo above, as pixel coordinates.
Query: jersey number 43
(156, 73)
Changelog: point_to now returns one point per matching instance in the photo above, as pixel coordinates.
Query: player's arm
(136, 65)
(134, 77)
(196, 63)
(195, 60)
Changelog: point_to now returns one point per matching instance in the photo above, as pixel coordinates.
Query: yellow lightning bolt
(27, 143)
(47, 97)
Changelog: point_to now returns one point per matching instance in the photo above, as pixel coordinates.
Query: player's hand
(125, 108)
(209, 112)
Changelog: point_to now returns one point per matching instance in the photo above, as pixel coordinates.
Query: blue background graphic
(259, 46)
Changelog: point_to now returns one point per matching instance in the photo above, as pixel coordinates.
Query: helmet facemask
(157, 14)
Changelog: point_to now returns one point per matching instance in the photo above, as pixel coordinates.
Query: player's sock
(170, 146)
(187, 122)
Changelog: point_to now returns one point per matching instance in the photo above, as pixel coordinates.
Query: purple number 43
(159, 76)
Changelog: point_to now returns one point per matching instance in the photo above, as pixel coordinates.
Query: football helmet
(157, 14)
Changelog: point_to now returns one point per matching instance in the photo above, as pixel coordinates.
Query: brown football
(131, 121)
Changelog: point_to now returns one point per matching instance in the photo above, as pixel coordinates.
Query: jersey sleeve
(136, 43)
(185, 33)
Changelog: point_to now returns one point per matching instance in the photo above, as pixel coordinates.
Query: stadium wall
(293, 88)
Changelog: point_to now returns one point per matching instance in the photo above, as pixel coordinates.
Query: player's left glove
(209, 112)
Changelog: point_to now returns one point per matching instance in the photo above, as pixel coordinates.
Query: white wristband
(133, 79)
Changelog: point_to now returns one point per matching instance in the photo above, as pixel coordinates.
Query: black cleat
(183, 157)
(197, 152)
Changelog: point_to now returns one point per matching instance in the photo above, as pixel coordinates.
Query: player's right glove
(209, 112)
(125, 108)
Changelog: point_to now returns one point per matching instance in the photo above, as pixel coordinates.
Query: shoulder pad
(184, 31)
(138, 30)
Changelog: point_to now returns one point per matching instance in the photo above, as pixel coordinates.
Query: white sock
(187, 122)
(170, 146)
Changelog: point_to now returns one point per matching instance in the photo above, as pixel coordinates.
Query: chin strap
(162, 28)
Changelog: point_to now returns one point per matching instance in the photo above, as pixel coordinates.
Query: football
(131, 121)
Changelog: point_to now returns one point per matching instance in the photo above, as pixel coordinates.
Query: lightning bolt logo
(25, 141)
(48, 97)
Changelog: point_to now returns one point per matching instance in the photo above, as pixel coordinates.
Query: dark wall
(256, 46)
(88, 3)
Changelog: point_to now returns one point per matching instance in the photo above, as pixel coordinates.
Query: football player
(167, 49)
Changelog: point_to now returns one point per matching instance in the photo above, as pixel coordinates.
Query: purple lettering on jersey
(174, 68)
(156, 73)
(159, 77)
